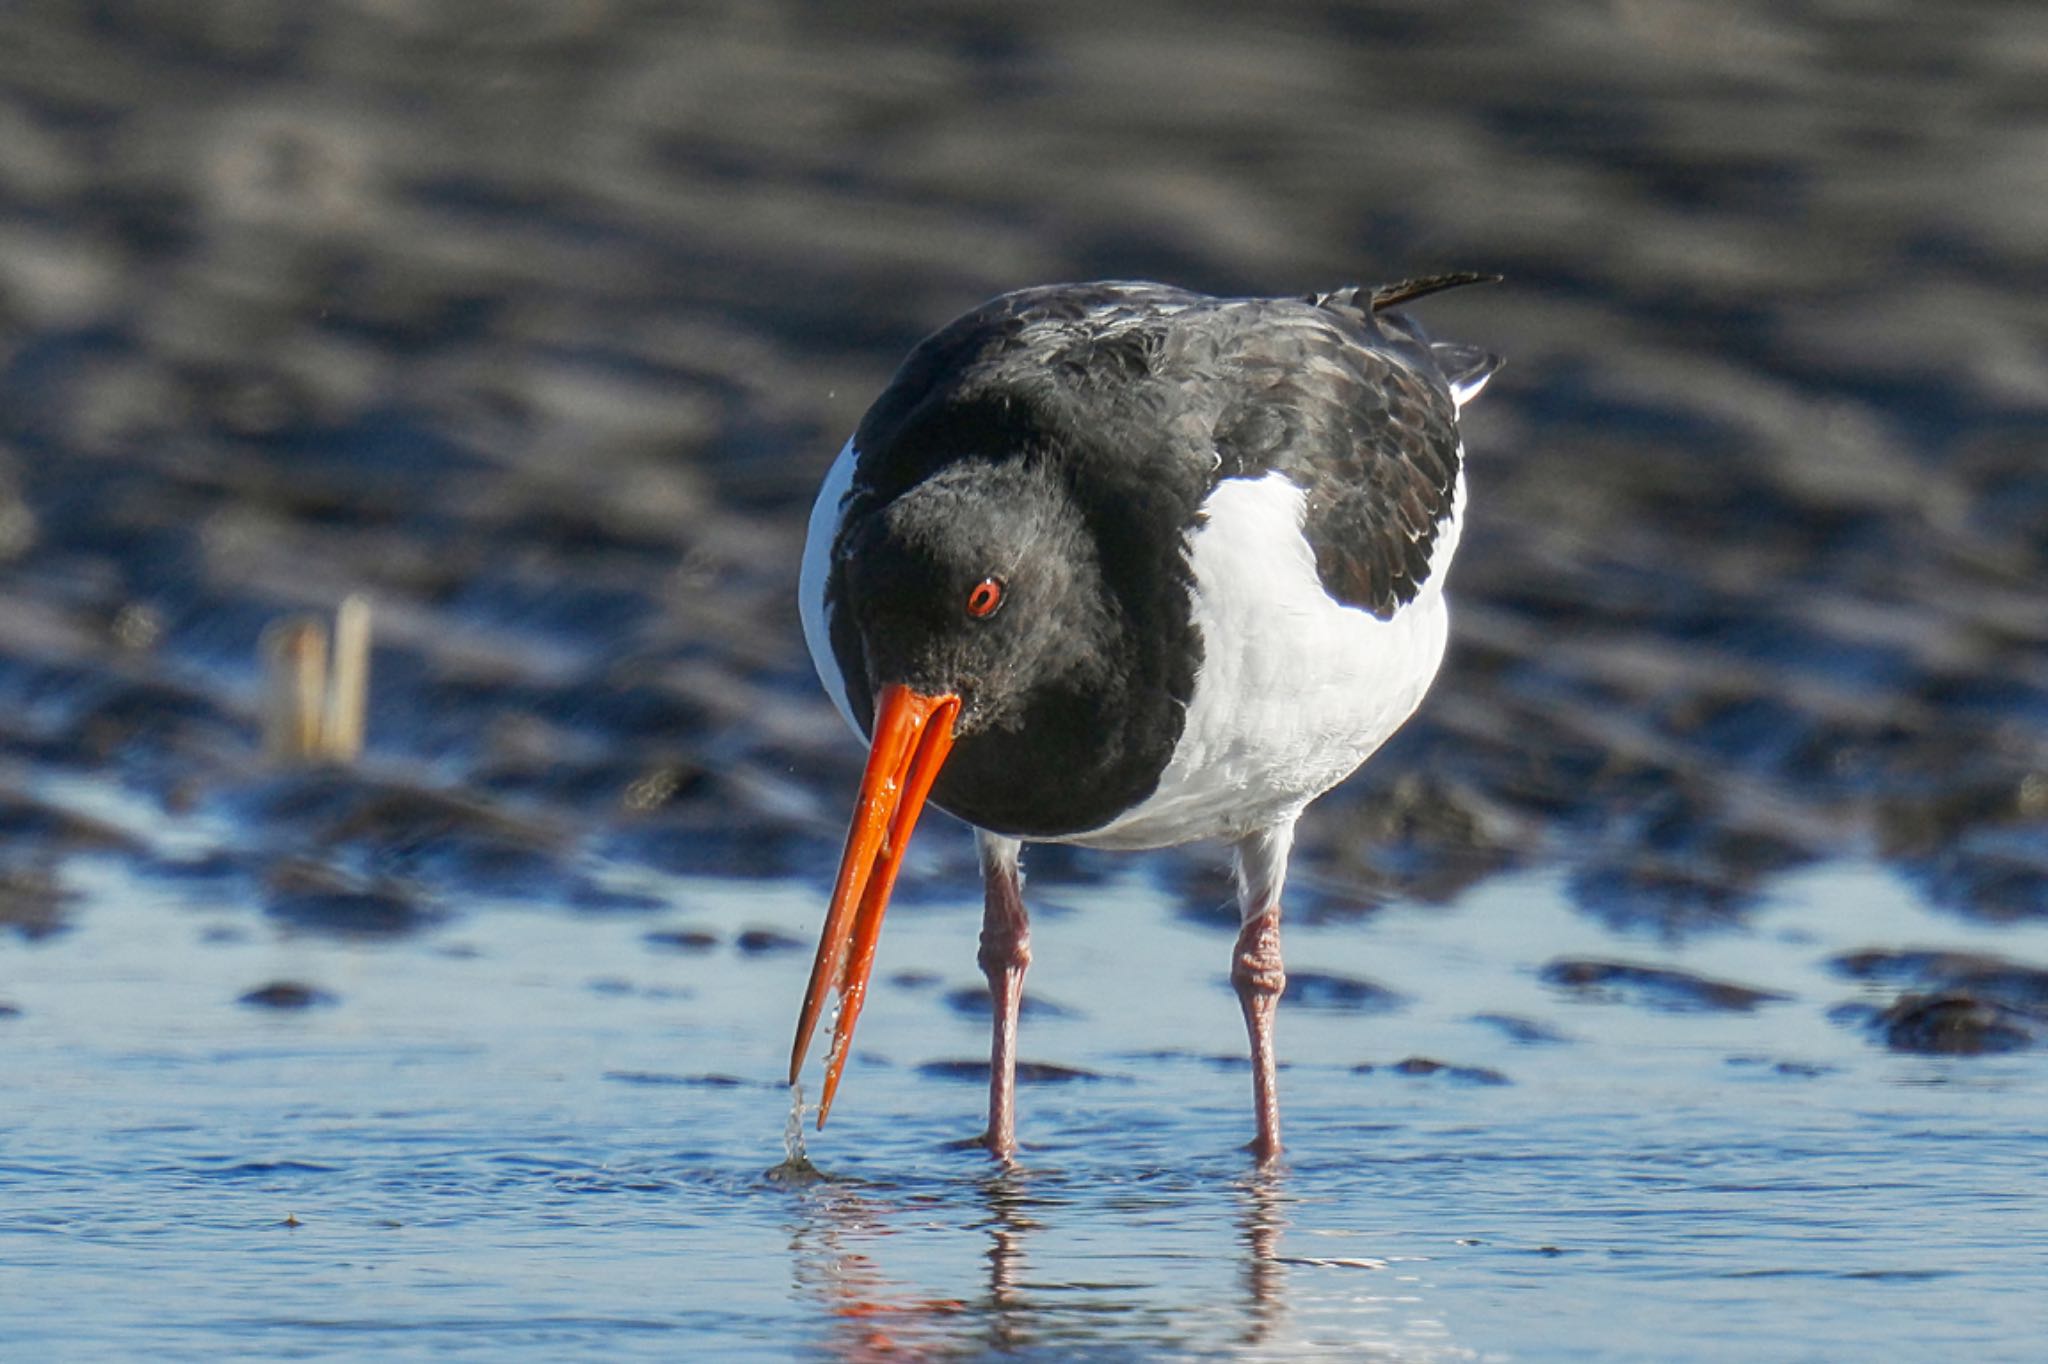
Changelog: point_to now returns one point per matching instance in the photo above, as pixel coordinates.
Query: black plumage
(1100, 417)
(1129, 566)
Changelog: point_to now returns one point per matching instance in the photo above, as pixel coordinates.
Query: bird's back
(1272, 486)
(1150, 392)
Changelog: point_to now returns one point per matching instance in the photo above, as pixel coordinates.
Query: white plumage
(1295, 689)
(817, 568)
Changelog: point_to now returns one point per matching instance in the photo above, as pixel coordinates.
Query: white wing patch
(1295, 689)
(817, 568)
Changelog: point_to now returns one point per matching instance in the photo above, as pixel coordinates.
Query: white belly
(1295, 690)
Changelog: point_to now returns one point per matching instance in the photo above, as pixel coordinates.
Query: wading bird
(1125, 566)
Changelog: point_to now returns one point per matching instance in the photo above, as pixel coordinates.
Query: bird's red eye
(986, 596)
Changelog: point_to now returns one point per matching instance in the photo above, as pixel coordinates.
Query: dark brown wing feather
(1364, 422)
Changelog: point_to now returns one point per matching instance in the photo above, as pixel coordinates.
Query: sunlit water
(533, 1133)
(540, 323)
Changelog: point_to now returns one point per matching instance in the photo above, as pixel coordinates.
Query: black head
(980, 581)
(1026, 452)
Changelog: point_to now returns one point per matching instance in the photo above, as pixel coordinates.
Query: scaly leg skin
(1005, 956)
(1259, 974)
(1260, 978)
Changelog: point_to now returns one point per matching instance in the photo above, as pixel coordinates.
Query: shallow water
(532, 1133)
(1674, 986)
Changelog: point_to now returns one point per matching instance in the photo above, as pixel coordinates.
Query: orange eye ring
(984, 598)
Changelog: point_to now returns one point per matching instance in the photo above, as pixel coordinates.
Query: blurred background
(538, 322)
(535, 324)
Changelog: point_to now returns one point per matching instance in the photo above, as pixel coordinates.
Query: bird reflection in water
(1008, 1226)
(873, 1316)
(1261, 1217)
(870, 1317)
(839, 1240)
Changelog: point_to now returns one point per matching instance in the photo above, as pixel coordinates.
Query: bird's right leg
(1258, 972)
(1005, 955)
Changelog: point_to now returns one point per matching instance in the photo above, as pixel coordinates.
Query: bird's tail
(1465, 368)
(1381, 297)
(1393, 295)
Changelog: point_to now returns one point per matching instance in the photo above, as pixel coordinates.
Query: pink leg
(1258, 973)
(1005, 955)
(1260, 977)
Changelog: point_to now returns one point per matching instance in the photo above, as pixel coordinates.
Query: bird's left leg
(1005, 955)
(1257, 970)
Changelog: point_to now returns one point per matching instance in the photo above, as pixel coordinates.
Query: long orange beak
(913, 734)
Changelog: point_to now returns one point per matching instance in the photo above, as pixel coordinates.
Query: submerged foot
(1006, 1152)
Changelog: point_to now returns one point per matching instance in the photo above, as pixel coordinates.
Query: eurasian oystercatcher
(1126, 566)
